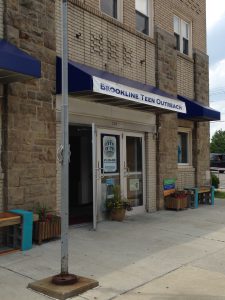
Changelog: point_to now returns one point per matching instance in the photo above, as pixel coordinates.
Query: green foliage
(117, 201)
(220, 195)
(44, 213)
(215, 180)
(217, 144)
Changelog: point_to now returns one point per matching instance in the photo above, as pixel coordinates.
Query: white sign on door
(109, 154)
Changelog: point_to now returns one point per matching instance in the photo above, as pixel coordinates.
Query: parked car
(217, 162)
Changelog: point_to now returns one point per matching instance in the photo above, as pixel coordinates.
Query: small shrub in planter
(117, 205)
(177, 201)
(48, 226)
(215, 180)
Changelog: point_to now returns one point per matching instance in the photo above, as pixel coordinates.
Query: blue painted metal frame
(27, 228)
(16, 60)
(197, 111)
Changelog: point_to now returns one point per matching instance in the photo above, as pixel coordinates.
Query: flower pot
(45, 230)
(117, 214)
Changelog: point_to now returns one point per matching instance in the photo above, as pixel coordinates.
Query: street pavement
(161, 256)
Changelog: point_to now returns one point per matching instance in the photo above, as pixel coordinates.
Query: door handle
(126, 171)
(100, 173)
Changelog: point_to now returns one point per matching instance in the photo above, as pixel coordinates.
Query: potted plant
(48, 225)
(117, 205)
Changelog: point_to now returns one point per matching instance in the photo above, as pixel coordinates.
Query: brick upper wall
(192, 11)
(97, 40)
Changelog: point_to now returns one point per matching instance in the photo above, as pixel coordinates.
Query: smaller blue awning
(15, 64)
(198, 112)
(103, 87)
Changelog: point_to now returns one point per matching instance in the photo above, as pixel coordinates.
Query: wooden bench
(202, 195)
(10, 222)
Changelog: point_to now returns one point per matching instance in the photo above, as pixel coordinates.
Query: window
(110, 7)
(184, 146)
(142, 16)
(182, 35)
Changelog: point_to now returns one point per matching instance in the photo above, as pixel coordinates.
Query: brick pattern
(163, 16)
(100, 41)
(193, 4)
(185, 78)
(150, 150)
(1, 19)
(185, 178)
(29, 160)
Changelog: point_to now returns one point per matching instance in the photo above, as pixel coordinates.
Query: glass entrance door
(120, 161)
(109, 155)
(134, 171)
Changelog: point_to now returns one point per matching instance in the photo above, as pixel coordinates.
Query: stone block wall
(166, 74)
(1, 172)
(201, 139)
(29, 132)
(1, 18)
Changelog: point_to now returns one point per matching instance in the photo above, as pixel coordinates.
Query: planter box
(176, 203)
(117, 214)
(45, 230)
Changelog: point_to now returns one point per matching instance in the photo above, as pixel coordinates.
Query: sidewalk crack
(15, 272)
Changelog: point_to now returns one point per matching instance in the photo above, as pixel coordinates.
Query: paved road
(166, 255)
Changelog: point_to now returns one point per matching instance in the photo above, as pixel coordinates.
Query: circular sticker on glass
(109, 154)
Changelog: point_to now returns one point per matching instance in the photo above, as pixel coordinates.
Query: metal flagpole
(64, 277)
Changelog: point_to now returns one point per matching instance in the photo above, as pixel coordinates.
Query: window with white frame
(142, 8)
(113, 8)
(184, 146)
(182, 35)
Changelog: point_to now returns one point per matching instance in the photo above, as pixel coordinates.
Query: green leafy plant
(215, 180)
(44, 213)
(180, 195)
(117, 201)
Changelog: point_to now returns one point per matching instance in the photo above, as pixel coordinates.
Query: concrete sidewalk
(165, 255)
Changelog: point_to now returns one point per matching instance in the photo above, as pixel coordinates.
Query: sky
(216, 52)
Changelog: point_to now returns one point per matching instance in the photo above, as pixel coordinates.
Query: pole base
(64, 279)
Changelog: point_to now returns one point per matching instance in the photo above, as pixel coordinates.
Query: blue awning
(104, 87)
(198, 112)
(15, 64)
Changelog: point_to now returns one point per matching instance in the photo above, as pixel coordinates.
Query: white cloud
(217, 93)
(217, 75)
(215, 10)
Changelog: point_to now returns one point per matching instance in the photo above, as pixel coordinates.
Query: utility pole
(64, 278)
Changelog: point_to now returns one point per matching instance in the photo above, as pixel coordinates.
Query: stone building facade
(30, 109)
